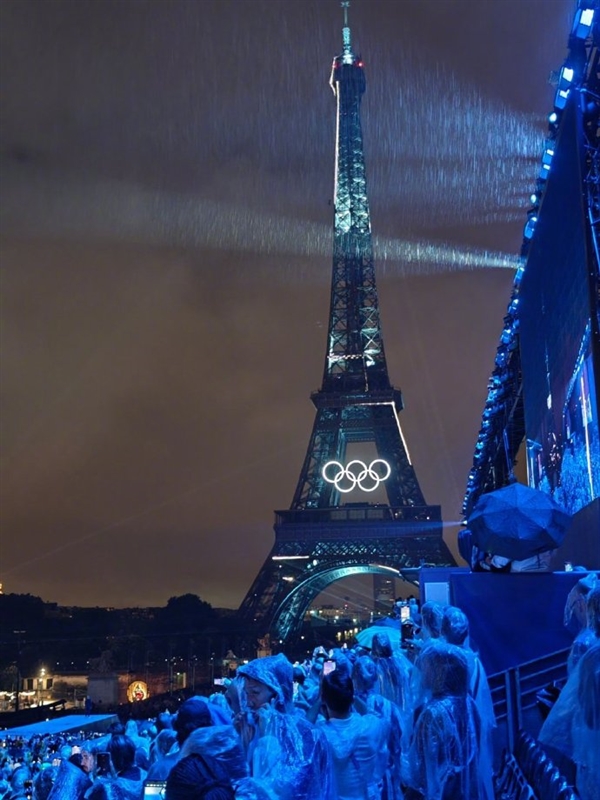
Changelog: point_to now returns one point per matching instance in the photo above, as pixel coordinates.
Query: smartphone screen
(404, 613)
(103, 763)
(328, 667)
(154, 789)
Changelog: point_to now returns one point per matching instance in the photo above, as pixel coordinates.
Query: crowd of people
(359, 723)
(378, 722)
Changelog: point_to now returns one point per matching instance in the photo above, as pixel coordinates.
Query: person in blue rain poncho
(443, 761)
(590, 632)
(368, 699)
(70, 782)
(455, 630)
(359, 742)
(210, 760)
(287, 755)
(394, 672)
(572, 728)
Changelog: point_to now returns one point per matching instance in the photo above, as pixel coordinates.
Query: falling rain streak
(435, 159)
(130, 214)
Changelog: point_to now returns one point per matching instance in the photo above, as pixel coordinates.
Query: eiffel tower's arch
(289, 616)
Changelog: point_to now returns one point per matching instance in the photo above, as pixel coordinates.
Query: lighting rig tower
(323, 537)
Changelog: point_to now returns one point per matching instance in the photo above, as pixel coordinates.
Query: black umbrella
(518, 522)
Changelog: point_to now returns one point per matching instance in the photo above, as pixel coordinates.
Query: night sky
(167, 175)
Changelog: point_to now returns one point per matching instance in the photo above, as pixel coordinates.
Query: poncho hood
(277, 673)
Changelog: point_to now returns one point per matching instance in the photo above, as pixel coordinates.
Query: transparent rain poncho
(575, 613)
(455, 630)
(44, 782)
(70, 783)
(288, 756)
(114, 789)
(218, 742)
(573, 725)
(589, 635)
(432, 614)
(394, 672)
(360, 755)
(308, 692)
(444, 760)
(368, 698)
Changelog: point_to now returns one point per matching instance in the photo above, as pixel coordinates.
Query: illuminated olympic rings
(356, 474)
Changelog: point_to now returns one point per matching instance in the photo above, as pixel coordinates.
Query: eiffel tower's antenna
(348, 56)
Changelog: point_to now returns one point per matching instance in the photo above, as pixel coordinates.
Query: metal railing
(361, 513)
(514, 692)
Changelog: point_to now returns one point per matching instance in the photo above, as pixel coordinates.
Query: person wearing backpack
(211, 758)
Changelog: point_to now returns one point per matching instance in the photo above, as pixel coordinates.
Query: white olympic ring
(356, 477)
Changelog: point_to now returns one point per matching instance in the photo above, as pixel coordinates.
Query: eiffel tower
(323, 537)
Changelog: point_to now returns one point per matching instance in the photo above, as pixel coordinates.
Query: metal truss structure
(322, 538)
(503, 424)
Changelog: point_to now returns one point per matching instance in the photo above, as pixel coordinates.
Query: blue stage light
(582, 24)
(546, 161)
(553, 118)
(566, 76)
(565, 81)
(529, 227)
(560, 99)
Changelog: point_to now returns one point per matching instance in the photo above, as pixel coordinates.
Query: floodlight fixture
(543, 173)
(529, 227)
(546, 161)
(582, 24)
(566, 76)
(560, 99)
(565, 81)
(548, 154)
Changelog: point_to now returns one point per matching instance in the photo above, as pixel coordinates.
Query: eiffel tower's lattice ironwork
(323, 537)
